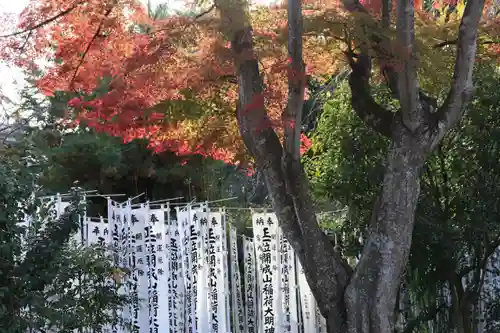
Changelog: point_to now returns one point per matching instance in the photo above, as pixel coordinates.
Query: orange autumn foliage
(180, 54)
(178, 59)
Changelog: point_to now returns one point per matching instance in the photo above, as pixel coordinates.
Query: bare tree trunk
(372, 292)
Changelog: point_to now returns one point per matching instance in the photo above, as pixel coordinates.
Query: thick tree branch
(326, 273)
(373, 114)
(327, 281)
(380, 43)
(292, 115)
(411, 109)
(462, 86)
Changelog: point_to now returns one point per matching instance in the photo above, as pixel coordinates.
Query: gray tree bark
(360, 299)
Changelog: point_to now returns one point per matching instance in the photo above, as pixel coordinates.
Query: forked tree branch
(381, 45)
(462, 88)
(259, 137)
(325, 271)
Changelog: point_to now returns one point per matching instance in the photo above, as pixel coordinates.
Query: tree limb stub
(462, 88)
(411, 109)
(373, 114)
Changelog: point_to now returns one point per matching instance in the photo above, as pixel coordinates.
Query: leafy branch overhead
(180, 54)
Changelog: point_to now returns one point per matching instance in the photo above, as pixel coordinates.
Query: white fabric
(184, 274)
(265, 229)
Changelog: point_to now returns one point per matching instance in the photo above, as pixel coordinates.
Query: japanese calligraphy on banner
(154, 230)
(196, 264)
(175, 280)
(160, 301)
(217, 281)
(184, 275)
(56, 206)
(265, 230)
(137, 264)
(289, 323)
(238, 313)
(184, 220)
(125, 252)
(250, 287)
(225, 262)
(114, 222)
(97, 232)
(140, 311)
(202, 286)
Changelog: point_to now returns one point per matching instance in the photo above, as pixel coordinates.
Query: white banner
(183, 274)
(126, 253)
(154, 230)
(142, 234)
(290, 320)
(160, 230)
(203, 287)
(312, 319)
(225, 263)
(250, 291)
(265, 230)
(238, 313)
(114, 225)
(320, 321)
(195, 263)
(96, 232)
(56, 206)
(307, 302)
(217, 278)
(175, 280)
(137, 264)
(184, 218)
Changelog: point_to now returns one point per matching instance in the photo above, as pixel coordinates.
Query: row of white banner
(186, 275)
